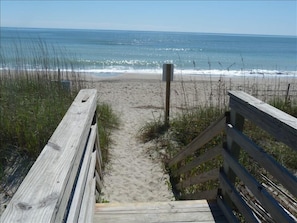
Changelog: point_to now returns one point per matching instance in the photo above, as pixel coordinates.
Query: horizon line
(135, 30)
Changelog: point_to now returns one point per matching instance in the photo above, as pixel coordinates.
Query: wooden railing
(61, 185)
(278, 124)
(282, 127)
(187, 160)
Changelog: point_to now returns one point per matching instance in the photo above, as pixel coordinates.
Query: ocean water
(109, 52)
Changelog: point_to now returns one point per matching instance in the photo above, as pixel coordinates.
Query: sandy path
(132, 175)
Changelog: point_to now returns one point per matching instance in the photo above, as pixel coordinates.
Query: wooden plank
(236, 120)
(99, 162)
(268, 202)
(208, 134)
(89, 192)
(99, 184)
(175, 211)
(152, 207)
(49, 182)
(203, 177)
(288, 180)
(81, 182)
(210, 154)
(89, 216)
(236, 198)
(208, 195)
(276, 122)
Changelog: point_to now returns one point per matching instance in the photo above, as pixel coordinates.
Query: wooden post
(237, 121)
(287, 94)
(168, 77)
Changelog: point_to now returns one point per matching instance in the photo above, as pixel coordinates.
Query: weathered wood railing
(180, 166)
(61, 185)
(280, 125)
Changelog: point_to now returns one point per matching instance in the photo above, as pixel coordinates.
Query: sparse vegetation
(34, 96)
(189, 123)
(107, 120)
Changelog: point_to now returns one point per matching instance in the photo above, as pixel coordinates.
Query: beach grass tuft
(107, 121)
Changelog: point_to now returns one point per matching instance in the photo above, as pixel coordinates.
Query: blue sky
(278, 17)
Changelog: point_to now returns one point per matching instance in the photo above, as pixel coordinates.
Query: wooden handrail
(269, 163)
(183, 166)
(280, 125)
(47, 192)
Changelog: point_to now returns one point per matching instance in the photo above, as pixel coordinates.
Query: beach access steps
(63, 183)
(238, 189)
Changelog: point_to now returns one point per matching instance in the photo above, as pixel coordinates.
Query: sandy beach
(133, 174)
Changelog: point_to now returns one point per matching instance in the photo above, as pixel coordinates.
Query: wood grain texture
(87, 204)
(45, 191)
(236, 198)
(287, 179)
(175, 211)
(267, 201)
(276, 122)
(81, 182)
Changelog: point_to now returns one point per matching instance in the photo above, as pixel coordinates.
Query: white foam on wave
(253, 72)
(119, 70)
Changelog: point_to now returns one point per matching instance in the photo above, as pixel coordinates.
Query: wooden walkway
(153, 212)
(64, 181)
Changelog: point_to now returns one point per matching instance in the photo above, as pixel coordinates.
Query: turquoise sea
(111, 52)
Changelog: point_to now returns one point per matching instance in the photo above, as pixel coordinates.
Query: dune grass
(190, 122)
(35, 94)
(107, 121)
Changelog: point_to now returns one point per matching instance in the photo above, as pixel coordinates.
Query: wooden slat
(162, 212)
(268, 202)
(89, 215)
(226, 210)
(236, 198)
(236, 120)
(288, 180)
(81, 182)
(98, 146)
(89, 193)
(276, 122)
(210, 154)
(208, 195)
(49, 182)
(99, 162)
(201, 178)
(208, 134)
(99, 184)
